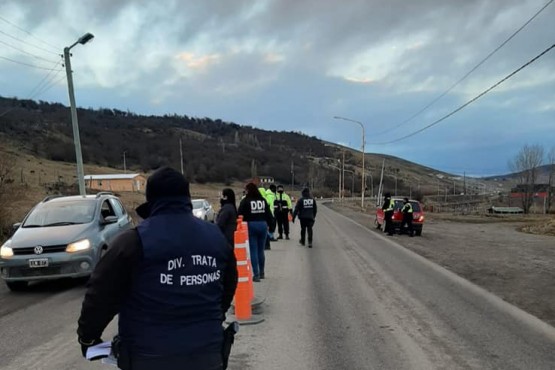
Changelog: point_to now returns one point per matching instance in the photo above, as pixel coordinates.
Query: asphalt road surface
(357, 300)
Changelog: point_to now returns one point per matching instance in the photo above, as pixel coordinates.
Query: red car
(418, 216)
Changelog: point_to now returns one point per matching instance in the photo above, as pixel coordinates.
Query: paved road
(360, 301)
(355, 301)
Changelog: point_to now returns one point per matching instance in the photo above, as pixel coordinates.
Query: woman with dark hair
(227, 217)
(256, 211)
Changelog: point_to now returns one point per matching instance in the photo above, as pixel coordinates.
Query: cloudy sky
(294, 65)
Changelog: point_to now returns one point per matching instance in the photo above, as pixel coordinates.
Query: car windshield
(198, 204)
(61, 213)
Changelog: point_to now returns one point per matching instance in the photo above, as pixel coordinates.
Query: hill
(543, 175)
(213, 150)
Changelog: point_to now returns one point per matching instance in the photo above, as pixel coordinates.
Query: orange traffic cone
(243, 309)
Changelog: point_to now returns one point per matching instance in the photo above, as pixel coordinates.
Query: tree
(525, 165)
(7, 166)
(551, 169)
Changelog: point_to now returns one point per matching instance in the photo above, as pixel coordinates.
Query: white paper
(103, 349)
(110, 360)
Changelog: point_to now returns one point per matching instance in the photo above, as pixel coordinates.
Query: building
(116, 182)
(263, 180)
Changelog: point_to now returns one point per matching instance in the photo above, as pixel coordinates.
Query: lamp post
(76, 139)
(339, 169)
(371, 184)
(363, 185)
(352, 182)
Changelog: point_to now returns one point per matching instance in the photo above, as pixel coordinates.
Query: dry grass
(534, 224)
(541, 228)
(32, 175)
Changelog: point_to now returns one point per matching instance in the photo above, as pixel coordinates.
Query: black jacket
(306, 208)
(112, 280)
(255, 209)
(227, 221)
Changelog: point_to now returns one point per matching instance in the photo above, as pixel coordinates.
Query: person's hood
(306, 193)
(170, 205)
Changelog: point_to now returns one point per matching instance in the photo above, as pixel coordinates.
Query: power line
(29, 33)
(44, 85)
(26, 52)
(50, 85)
(42, 90)
(26, 64)
(467, 74)
(471, 100)
(27, 43)
(45, 79)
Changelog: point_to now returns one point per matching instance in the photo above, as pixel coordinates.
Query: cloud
(289, 64)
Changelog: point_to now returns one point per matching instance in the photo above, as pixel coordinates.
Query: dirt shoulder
(516, 266)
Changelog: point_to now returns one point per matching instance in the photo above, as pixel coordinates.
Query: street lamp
(363, 185)
(77, 141)
(339, 169)
(371, 184)
(353, 181)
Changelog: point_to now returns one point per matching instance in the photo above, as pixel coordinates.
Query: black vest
(174, 306)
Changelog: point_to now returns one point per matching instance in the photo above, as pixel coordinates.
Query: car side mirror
(109, 220)
(16, 226)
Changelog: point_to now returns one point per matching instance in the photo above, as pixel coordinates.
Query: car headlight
(78, 246)
(197, 213)
(5, 250)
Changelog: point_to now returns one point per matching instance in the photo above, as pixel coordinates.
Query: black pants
(198, 362)
(388, 219)
(306, 226)
(282, 219)
(272, 226)
(407, 224)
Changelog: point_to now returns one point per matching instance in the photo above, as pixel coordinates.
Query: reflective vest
(407, 208)
(282, 203)
(270, 197)
(390, 206)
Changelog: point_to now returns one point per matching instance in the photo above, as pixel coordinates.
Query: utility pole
(181, 154)
(75, 124)
(363, 184)
(124, 162)
(343, 176)
(395, 182)
(292, 175)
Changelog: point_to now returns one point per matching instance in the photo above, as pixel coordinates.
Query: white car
(203, 209)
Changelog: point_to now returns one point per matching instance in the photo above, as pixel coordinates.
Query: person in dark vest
(306, 210)
(407, 217)
(388, 208)
(170, 280)
(227, 217)
(282, 209)
(256, 212)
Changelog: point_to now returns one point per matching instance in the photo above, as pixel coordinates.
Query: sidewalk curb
(255, 319)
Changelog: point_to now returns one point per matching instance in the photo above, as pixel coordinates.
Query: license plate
(38, 262)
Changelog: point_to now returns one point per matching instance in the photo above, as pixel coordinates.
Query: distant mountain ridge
(543, 174)
(213, 150)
